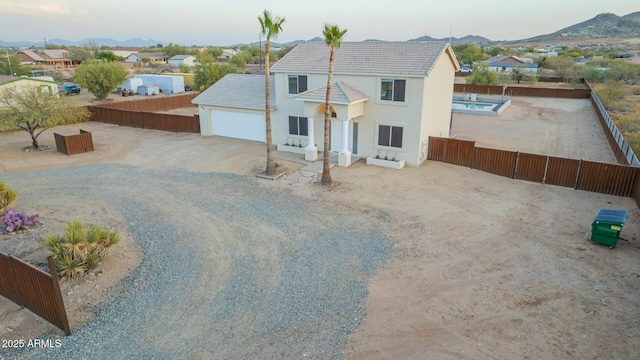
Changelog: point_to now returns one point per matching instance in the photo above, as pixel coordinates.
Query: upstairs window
(297, 84)
(298, 125)
(390, 136)
(392, 90)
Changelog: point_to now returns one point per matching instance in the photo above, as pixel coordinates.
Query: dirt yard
(481, 267)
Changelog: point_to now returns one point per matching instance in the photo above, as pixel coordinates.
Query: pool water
(472, 106)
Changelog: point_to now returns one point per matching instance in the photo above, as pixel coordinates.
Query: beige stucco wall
(27, 84)
(436, 105)
(424, 112)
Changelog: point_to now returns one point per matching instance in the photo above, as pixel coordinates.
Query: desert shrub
(14, 221)
(7, 196)
(184, 68)
(79, 249)
(482, 76)
(609, 93)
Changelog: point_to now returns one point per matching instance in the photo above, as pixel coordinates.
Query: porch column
(344, 158)
(311, 151)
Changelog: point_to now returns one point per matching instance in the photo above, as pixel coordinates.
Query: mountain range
(601, 26)
(605, 25)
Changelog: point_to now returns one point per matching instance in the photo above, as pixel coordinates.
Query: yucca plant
(54, 244)
(7, 196)
(69, 267)
(75, 241)
(78, 249)
(93, 260)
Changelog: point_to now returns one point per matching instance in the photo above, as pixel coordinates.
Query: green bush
(481, 75)
(79, 249)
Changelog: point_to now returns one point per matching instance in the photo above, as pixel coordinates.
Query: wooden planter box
(74, 144)
(289, 148)
(398, 164)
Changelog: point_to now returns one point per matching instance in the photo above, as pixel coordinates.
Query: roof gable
(244, 91)
(370, 58)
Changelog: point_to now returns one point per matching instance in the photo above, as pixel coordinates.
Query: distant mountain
(97, 41)
(601, 26)
(472, 39)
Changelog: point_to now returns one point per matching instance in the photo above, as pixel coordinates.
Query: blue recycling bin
(607, 225)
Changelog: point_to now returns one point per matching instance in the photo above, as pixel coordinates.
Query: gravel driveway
(229, 270)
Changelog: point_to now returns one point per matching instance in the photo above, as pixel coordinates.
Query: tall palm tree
(333, 37)
(270, 26)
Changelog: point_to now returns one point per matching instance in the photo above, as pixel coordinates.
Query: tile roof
(149, 55)
(32, 55)
(368, 58)
(509, 58)
(56, 54)
(243, 91)
(341, 93)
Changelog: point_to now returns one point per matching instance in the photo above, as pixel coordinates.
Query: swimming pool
(472, 106)
(481, 106)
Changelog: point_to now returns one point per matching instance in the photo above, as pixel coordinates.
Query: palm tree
(270, 26)
(333, 37)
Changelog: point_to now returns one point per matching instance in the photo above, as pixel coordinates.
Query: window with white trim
(298, 125)
(390, 136)
(297, 84)
(392, 90)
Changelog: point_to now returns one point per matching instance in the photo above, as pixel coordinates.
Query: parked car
(70, 89)
(465, 69)
(187, 88)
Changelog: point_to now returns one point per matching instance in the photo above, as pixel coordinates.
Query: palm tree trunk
(326, 168)
(270, 157)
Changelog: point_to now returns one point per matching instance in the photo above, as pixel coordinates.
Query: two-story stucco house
(387, 99)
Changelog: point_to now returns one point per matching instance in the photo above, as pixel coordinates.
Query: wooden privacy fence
(612, 179)
(74, 144)
(147, 120)
(523, 91)
(34, 289)
(160, 103)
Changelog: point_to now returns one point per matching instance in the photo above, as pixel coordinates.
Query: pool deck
(567, 128)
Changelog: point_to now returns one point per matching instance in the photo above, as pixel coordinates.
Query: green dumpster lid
(612, 216)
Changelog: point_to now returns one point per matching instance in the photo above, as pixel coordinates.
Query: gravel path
(230, 269)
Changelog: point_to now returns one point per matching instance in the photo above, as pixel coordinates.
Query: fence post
(58, 297)
(444, 151)
(575, 186)
(473, 153)
(515, 166)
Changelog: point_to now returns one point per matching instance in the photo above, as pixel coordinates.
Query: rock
(11, 328)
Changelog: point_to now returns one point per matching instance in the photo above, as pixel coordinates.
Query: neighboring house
(178, 60)
(59, 59)
(387, 99)
(123, 53)
(23, 83)
(227, 54)
(506, 64)
(150, 57)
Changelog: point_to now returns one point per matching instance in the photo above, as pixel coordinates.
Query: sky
(229, 22)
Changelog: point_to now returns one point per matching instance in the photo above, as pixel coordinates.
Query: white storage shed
(167, 83)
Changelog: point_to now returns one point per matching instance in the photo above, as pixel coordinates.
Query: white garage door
(238, 125)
